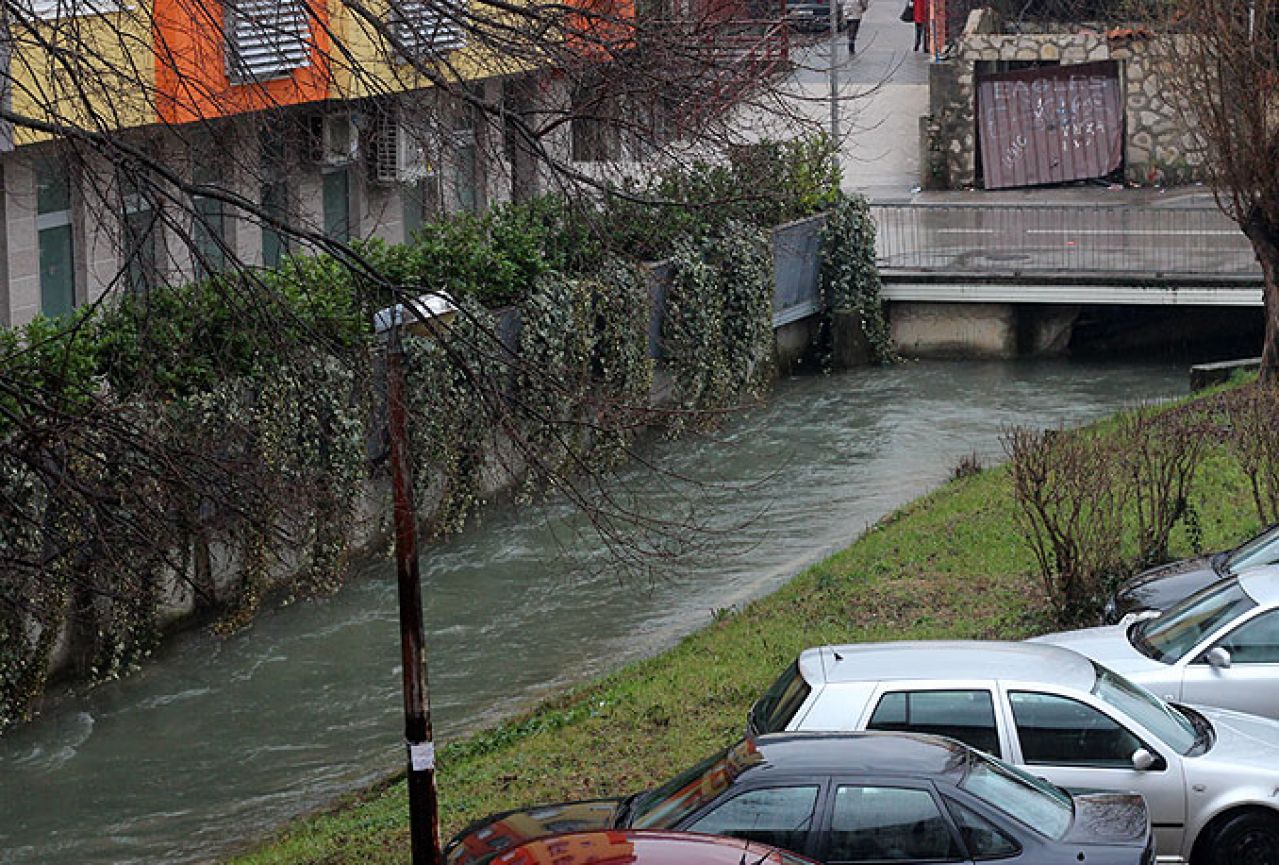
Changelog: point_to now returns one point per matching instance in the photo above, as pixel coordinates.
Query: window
(208, 229)
(56, 246)
(1168, 637)
(670, 804)
(781, 816)
(1061, 731)
(428, 28)
(140, 223)
(337, 205)
(982, 838)
(1047, 809)
(1168, 724)
(774, 711)
(274, 194)
(1255, 642)
(968, 716)
(888, 824)
(465, 188)
(421, 203)
(1261, 550)
(52, 9)
(266, 39)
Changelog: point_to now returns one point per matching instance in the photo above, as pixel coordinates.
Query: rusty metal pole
(424, 815)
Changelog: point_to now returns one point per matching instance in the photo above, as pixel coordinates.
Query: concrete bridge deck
(1071, 252)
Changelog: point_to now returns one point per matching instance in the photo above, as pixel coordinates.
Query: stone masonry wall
(1159, 146)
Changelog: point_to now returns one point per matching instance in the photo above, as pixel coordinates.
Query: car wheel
(1249, 839)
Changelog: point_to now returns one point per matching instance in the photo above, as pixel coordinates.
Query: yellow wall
(100, 78)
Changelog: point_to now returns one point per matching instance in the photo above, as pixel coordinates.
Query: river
(219, 741)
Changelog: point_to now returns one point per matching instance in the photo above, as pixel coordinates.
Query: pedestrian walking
(921, 24)
(856, 9)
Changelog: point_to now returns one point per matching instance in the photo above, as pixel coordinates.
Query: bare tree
(1221, 59)
(178, 143)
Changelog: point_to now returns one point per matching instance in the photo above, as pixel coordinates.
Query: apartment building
(344, 119)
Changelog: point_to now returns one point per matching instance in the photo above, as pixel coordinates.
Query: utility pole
(424, 813)
(834, 73)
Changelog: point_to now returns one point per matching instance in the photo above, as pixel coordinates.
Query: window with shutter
(53, 9)
(428, 28)
(266, 39)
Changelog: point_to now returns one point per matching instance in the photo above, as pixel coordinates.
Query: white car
(1210, 777)
(1219, 647)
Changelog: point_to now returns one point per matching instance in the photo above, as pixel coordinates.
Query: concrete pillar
(934, 330)
(21, 240)
(97, 210)
(243, 161)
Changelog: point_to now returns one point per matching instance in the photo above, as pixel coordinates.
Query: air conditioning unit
(335, 139)
(399, 155)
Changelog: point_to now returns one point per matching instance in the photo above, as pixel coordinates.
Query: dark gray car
(865, 798)
(1159, 588)
(812, 16)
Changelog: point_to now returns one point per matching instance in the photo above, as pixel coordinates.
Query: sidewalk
(884, 92)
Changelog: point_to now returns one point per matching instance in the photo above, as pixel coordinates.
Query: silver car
(1219, 647)
(1210, 777)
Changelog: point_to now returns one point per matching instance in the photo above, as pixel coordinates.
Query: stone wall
(1160, 147)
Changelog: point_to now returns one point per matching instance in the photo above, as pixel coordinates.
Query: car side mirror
(1218, 658)
(1142, 759)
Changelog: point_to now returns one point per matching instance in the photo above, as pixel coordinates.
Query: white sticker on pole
(422, 757)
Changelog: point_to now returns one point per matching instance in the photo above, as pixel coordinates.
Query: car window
(1135, 702)
(968, 716)
(665, 806)
(1059, 731)
(888, 824)
(1033, 801)
(773, 711)
(1261, 550)
(1169, 637)
(1255, 641)
(781, 816)
(983, 839)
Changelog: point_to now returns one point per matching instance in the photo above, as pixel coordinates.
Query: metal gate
(1050, 124)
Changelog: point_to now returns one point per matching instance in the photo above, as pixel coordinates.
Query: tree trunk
(1264, 236)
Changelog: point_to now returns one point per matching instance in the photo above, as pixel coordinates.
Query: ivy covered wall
(204, 448)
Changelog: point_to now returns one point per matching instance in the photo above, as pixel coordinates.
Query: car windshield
(1261, 550)
(1169, 637)
(665, 806)
(1031, 800)
(1134, 701)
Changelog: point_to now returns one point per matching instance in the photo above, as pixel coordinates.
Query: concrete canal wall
(213, 570)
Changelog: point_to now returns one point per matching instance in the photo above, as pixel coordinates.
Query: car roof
(941, 659)
(644, 847)
(912, 755)
(1261, 584)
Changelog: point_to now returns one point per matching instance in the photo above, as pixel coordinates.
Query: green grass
(949, 565)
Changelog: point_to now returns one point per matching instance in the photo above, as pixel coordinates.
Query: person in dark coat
(853, 18)
(921, 24)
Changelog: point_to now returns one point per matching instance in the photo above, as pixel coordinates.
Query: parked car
(1210, 777)
(632, 847)
(1219, 647)
(873, 797)
(1162, 587)
(813, 16)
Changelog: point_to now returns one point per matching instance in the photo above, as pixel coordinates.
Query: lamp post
(834, 73)
(429, 312)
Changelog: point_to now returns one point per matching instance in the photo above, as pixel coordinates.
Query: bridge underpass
(1001, 279)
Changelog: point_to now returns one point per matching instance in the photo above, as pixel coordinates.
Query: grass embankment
(950, 565)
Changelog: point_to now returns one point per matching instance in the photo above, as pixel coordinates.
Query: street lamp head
(420, 316)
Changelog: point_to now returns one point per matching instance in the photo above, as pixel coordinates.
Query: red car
(631, 847)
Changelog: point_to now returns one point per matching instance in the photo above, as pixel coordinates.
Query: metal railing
(1162, 242)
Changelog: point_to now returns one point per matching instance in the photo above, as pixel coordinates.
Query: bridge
(1079, 253)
